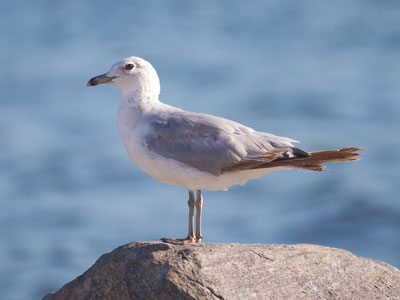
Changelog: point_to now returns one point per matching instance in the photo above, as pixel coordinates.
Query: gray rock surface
(155, 270)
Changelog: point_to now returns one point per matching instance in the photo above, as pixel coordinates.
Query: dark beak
(99, 80)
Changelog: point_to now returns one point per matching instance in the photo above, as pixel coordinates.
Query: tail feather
(315, 159)
(337, 155)
(309, 161)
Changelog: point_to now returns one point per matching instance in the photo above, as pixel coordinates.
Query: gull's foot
(187, 240)
(198, 239)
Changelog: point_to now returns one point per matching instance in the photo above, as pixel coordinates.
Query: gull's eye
(129, 67)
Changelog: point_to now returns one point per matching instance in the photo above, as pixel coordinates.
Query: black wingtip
(298, 153)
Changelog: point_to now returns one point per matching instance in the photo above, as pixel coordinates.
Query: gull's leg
(191, 237)
(191, 202)
(199, 206)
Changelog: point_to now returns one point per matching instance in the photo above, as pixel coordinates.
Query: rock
(155, 270)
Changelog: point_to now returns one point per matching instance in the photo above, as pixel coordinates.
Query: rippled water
(325, 73)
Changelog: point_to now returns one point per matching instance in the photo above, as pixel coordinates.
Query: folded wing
(214, 144)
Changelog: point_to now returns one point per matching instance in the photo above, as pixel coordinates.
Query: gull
(194, 150)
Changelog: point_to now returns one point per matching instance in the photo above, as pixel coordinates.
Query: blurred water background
(322, 72)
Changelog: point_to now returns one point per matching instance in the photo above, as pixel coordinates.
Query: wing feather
(210, 143)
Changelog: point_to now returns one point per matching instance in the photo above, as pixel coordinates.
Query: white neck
(133, 106)
(140, 99)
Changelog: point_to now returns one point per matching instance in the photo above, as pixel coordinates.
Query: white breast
(132, 131)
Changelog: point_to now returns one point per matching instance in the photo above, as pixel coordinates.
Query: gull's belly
(176, 173)
(163, 169)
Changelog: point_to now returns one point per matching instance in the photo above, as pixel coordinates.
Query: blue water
(326, 73)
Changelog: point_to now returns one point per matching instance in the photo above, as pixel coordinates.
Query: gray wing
(209, 143)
